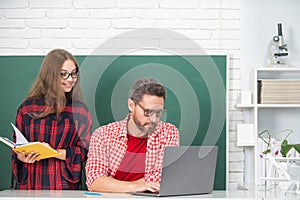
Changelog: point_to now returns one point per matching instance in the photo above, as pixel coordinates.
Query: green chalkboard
(196, 96)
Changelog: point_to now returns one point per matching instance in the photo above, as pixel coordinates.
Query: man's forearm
(108, 184)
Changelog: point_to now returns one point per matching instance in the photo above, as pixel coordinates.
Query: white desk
(78, 195)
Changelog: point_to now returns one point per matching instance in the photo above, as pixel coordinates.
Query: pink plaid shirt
(109, 143)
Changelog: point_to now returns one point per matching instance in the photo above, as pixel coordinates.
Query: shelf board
(285, 158)
(245, 105)
(268, 105)
(278, 105)
(270, 69)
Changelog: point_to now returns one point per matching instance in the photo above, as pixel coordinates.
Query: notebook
(187, 170)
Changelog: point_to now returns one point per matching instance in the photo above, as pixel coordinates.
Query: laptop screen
(188, 170)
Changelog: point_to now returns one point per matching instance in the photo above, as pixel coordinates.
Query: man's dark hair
(148, 86)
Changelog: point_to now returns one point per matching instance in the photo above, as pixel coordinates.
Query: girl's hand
(63, 154)
(29, 158)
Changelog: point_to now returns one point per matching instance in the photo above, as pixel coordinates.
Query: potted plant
(275, 146)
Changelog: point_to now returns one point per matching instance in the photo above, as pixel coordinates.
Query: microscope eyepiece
(279, 29)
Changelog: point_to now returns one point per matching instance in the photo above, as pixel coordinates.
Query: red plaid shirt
(108, 147)
(70, 131)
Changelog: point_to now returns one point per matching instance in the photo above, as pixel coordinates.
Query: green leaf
(285, 148)
(296, 147)
(266, 151)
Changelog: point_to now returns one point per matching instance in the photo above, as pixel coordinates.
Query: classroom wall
(259, 21)
(86, 27)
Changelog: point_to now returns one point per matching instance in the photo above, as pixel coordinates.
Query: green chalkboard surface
(195, 103)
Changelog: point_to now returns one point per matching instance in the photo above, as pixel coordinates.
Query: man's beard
(151, 126)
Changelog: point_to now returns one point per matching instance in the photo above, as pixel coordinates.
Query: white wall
(259, 19)
(36, 26)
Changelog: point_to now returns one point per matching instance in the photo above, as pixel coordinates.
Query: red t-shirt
(132, 166)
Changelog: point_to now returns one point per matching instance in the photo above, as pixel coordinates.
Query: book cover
(22, 145)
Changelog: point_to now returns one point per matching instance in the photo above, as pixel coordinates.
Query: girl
(53, 113)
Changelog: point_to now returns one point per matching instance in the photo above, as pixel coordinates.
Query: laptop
(187, 170)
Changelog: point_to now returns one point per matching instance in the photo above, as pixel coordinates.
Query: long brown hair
(47, 86)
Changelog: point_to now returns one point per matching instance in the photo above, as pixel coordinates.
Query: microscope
(279, 51)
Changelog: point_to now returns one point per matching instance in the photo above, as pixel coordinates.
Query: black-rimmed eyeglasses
(150, 112)
(66, 75)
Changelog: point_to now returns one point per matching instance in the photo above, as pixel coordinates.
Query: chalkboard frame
(18, 73)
